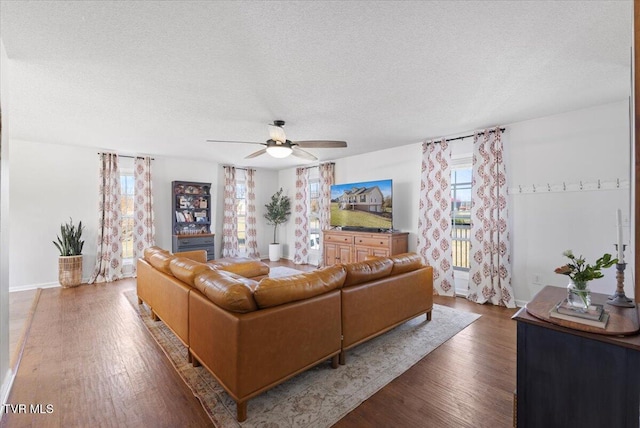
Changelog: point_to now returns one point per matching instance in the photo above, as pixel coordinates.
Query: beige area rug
(321, 396)
(280, 271)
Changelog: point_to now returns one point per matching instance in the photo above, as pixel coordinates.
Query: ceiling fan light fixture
(277, 133)
(279, 151)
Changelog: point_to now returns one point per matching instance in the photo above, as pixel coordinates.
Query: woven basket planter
(70, 271)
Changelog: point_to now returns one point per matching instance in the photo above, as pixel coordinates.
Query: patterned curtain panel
(252, 234)
(490, 258)
(326, 180)
(230, 215)
(301, 217)
(434, 221)
(109, 254)
(144, 232)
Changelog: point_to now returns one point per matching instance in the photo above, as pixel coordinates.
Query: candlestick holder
(618, 298)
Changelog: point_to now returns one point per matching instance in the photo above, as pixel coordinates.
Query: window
(461, 216)
(241, 210)
(314, 210)
(126, 213)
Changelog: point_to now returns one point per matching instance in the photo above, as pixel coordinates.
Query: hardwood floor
(92, 359)
(21, 307)
(466, 382)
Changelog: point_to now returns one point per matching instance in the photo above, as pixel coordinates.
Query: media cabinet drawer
(375, 241)
(338, 238)
(190, 242)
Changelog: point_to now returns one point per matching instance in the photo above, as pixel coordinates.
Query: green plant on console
(278, 211)
(581, 272)
(70, 243)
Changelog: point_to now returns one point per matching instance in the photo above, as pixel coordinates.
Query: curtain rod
(316, 166)
(464, 136)
(240, 168)
(126, 156)
(305, 167)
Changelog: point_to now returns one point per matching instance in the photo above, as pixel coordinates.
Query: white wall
(5, 370)
(585, 145)
(49, 184)
(52, 182)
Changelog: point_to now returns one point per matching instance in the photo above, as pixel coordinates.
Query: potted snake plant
(70, 244)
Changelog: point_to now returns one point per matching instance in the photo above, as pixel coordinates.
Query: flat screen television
(363, 205)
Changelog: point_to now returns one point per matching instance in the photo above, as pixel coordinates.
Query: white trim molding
(36, 286)
(7, 383)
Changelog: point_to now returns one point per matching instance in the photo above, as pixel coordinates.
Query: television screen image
(364, 205)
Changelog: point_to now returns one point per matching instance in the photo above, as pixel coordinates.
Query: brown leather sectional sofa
(254, 335)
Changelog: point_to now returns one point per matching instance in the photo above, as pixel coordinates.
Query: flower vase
(579, 295)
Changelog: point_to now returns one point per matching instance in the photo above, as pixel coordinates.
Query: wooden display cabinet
(191, 207)
(341, 246)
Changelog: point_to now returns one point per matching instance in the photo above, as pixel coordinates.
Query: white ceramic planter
(274, 252)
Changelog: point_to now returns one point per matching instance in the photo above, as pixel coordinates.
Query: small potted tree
(70, 246)
(278, 212)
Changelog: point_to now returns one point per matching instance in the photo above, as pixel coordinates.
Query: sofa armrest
(166, 296)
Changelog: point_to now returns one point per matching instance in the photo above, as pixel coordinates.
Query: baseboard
(46, 285)
(464, 293)
(7, 383)
(521, 303)
(34, 286)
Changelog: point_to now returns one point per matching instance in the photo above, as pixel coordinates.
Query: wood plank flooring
(20, 311)
(90, 356)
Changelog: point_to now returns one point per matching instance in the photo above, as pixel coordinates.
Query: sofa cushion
(149, 251)
(186, 269)
(243, 266)
(277, 291)
(160, 260)
(368, 270)
(196, 255)
(227, 291)
(406, 262)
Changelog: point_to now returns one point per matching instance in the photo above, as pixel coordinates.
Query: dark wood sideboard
(572, 378)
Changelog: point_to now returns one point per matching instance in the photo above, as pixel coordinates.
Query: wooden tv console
(341, 246)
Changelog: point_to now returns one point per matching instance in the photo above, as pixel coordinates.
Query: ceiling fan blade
(227, 141)
(276, 133)
(256, 154)
(302, 153)
(321, 144)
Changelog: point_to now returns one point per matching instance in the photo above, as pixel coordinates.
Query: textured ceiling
(162, 77)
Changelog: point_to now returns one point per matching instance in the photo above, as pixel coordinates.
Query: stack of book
(595, 315)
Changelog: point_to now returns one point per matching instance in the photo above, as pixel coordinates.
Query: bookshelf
(191, 214)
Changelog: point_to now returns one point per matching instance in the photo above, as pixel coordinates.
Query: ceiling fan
(279, 147)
